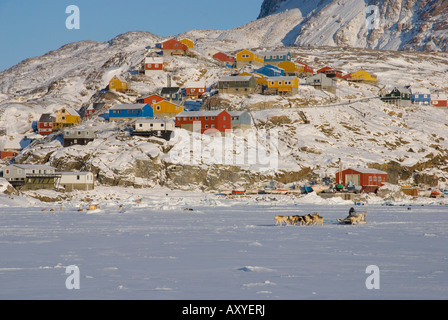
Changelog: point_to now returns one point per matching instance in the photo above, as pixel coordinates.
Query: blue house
(130, 111)
(421, 96)
(275, 57)
(270, 70)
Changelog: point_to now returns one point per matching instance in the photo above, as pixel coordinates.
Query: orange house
(174, 48)
(115, 84)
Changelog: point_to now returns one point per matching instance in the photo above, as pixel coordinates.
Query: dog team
(309, 219)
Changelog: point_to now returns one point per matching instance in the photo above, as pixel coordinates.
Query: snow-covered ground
(225, 248)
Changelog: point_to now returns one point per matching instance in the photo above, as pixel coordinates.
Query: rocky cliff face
(403, 24)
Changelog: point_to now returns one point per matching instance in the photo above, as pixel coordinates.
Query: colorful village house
(70, 181)
(202, 121)
(241, 120)
(421, 96)
(154, 66)
(239, 85)
(283, 86)
(116, 85)
(172, 94)
(173, 47)
(189, 43)
(166, 108)
(370, 180)
(66, 117)
(246, 57)
(161, 128)
(30, 176)
(8, 155)
(270, 70)
(275, 57)
(150, 99)
(440, 100)
(123, 112)
(195, 89)
(261, 79)
(46, 124)
(78, 137)
(304, 68)
(361, 76)
(224, 58)
(320, 81)
(94, 108)
(331, 72)
(290, 68)
(399, 96)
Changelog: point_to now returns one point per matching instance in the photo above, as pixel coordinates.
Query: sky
(31, 28)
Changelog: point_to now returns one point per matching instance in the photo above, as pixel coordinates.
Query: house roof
(236, 113)
(273, 53)
(135, 106)
(47, 117)
(206, 113)
(71, 111)
(440, 96)
(195, 84)
(154, 120)
(236, 78)
(169, 90)
(367, 170)
(154, 60)
(281, 78)
(74, 173)
(32, 166)
(420, 91)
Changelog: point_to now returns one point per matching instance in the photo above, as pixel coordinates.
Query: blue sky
(30, 28)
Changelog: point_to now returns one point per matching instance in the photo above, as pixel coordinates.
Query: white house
(146, 125)
(30, 176)
(70, 181)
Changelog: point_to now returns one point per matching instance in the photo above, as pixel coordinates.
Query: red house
(330, 72)
(440, 101)
(151, 99)
(368, 179)
(213, 120)
(153, 65)
(173, 47)
(45, 124)
(224, 58)
(8, 155)
(195, 89)
(306, 68)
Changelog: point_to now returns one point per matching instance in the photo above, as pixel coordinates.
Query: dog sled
(354, 219)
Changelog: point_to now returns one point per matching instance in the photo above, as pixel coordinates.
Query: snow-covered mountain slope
(403, 24)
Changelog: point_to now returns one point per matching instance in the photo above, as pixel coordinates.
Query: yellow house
(363, 76)
(291, 68)
(247, 57)
(115, 84)
(261, 79)
(189, 43)
(283, 85)
(66, 117)
(166, 108)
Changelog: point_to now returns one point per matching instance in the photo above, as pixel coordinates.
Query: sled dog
(279, 220)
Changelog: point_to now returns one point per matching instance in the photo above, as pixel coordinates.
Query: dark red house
(224, 58)
(331, 72)
(151, 99)
(173, 47)
(45, 124)
(440, 101)
(362, 177)
(213, 120)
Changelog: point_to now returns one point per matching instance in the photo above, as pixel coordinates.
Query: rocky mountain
(402, 25)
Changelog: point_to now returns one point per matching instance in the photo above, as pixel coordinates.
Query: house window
(370, 178)
(206, 126)
(201, 90)
(206, 118)
(213, 118)
(78, 177)
(140, 125)
(224, 118)
(213, 125)
(158, 108)
(197, 118)
(79, 133)
(380, 179)
(374, 178)
(156, 65)
(63, 118)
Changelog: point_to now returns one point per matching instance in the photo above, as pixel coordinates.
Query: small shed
(321, 81)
